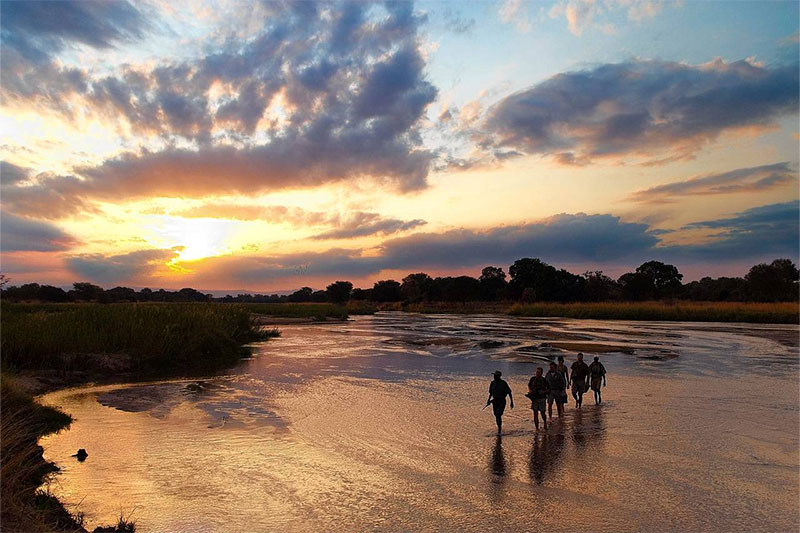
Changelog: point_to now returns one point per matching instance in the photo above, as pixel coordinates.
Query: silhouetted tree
(716, 290)
(666, 279)
(493, 283)
(87, 291)
(121, 294)
(599, 287)
(459, 289)
(386, 291)
(416, 287)
(302, 295)
(48, 293)
(774, 282)
(339, 291)
(636, 286)
(361, 294)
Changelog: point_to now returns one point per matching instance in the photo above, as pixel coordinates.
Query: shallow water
(376, 424)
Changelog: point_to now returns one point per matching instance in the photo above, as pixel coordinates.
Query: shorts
(596, 383)
(498, 406)
(579, 386)
(539, 404)
(558, 397)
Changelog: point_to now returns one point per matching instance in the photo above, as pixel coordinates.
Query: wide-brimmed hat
(497, 373)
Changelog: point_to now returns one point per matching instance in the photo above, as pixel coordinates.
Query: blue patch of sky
(498, 57)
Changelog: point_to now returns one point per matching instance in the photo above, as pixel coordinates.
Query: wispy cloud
(752, 179)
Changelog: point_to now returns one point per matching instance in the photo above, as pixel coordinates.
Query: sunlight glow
(195, 238)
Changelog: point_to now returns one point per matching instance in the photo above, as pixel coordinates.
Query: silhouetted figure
(561, 367)
(598, 375)
(81, 455)
(537, 392)
(580, 375)
(498, 390)
(558, 391)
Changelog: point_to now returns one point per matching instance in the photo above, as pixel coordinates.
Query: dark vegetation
(529, 280)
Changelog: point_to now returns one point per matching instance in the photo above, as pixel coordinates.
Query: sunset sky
(229, 145)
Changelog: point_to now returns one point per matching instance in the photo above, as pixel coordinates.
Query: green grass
(140, 338)
(776, 313)
(319, 311)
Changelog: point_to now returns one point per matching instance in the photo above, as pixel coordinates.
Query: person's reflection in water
(545, 455)
(497, 470)
(588, 427)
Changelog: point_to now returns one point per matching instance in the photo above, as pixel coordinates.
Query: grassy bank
(314, 311)
(775, 313)
(62, 344)
(138, 338)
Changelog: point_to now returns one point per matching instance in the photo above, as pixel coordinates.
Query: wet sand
(368, 425)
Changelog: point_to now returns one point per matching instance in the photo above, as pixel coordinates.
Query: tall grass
(776, 313)
(318, 311)
(135, 337)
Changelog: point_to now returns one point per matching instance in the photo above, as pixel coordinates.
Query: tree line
(528, 280)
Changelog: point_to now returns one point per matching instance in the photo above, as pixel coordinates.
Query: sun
(192, 238)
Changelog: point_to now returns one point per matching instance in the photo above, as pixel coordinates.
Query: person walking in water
(562, 368)
(537, 392)
(498, 390)
(580, 373)
(558, 390)
(598, 374)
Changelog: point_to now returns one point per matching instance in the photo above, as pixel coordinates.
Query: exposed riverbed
(375, 424)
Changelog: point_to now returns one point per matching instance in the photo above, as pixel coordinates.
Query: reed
(139, 337)
(776, 313)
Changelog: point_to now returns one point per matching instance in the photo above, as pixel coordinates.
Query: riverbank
(48, 347)
(677, 310)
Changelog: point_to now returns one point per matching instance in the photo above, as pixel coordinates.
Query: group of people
(546, 389)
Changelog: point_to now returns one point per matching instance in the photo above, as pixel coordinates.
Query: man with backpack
(597, 372)
(580, 374)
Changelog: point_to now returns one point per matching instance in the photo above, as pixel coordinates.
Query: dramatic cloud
(325, 93)
(640, 108)
(11, 174)
(120, 268)
(565, 237)
(767, 231)
(753, 179)
(37, 30)
(25, 234)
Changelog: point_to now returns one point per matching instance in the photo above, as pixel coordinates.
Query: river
(376, 424)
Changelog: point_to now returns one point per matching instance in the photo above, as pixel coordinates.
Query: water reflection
(588, 427)
(546, 456)
(497, 471)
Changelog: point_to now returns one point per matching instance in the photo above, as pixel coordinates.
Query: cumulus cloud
(583, 14)
(640, 108)
(324, 93)
(120, 268)
(752, 179)
(26, 234)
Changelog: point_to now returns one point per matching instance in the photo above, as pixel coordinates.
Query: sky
(227, 145)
